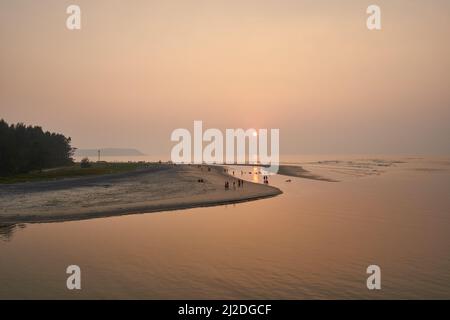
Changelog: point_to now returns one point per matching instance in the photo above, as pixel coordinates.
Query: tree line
(26, 148)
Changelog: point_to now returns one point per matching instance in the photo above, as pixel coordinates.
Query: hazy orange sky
(139, 69)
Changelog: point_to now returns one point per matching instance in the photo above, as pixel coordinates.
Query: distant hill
(108, 152)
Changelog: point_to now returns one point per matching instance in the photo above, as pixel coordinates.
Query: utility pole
(98, 155)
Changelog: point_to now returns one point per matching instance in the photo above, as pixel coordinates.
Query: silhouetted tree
(85, 163)
(25, 148)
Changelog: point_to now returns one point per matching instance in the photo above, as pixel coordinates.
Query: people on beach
(240, 184)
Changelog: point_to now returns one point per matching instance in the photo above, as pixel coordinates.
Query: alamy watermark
(374, 20)
(191, 148)
(374, 280)
(73, 282)
(73, 21)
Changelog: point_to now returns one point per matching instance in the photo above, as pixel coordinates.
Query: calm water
(314, 241)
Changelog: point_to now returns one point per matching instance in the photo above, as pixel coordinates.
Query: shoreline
(289, 170)
(162, 187)
(125, 212)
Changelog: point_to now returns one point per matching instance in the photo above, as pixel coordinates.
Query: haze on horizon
(137, 70)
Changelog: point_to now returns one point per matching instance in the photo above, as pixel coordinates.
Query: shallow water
(313, 241)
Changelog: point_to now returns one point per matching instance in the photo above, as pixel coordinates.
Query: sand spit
(158, 188)
(299, 172)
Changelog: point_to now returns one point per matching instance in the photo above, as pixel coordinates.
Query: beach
(159, 187)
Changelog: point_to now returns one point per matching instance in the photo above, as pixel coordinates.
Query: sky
(137, 70)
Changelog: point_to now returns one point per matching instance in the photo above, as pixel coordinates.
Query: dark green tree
(26, 148)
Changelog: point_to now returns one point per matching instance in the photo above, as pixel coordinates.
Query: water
(313, 241)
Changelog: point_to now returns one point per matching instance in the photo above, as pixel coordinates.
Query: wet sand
(299, 172)
(158, 188)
